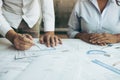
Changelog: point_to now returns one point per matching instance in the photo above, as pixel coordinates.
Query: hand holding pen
(23, 41)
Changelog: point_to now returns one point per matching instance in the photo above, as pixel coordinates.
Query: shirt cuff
(4, 29)
(73, 34)
(49, 27)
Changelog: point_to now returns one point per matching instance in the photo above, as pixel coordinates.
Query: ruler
(111, 68)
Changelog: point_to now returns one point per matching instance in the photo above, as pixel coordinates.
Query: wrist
(50, 32)
(77, 36)
(83, 36)
(117, 38)
(11, 34)
(80, 35)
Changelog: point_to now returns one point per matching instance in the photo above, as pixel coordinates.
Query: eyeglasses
(118, 2)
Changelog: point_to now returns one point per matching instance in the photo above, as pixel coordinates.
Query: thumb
(29, 36)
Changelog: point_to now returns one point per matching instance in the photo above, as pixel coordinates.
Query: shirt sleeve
(4, 25)
(48, 15)
(74, 26)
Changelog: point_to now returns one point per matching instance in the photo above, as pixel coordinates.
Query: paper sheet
(40, 49)
(69, 61)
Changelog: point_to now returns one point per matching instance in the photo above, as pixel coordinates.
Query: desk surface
(74, 60)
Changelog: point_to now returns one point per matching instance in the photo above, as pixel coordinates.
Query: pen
(37, 45)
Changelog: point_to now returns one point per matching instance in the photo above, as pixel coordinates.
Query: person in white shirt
(96, 21)
(20, 21)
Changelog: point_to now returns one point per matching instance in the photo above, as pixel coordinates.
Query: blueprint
(107, 57)
(40, 49)
(73, 60)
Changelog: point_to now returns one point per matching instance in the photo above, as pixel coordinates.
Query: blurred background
(63, 9)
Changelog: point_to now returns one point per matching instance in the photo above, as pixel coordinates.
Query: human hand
(23, 41)
(84, 36)
(103, 39)
(50, 39)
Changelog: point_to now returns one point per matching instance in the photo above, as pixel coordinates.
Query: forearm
(117, 37)
(83, 36)
(11, 35)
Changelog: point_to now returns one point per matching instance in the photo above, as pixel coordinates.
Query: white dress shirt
(13, 11)
(87, 17)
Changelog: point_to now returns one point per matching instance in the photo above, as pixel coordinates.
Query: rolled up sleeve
(4, 25)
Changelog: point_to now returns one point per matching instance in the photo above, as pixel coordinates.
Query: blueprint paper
(41, 49)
